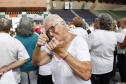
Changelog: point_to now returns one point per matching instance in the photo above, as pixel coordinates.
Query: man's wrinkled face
(55, 30)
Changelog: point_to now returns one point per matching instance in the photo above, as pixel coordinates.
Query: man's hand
(57, 47)
(42, 40)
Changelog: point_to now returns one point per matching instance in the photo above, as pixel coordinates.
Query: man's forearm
(36, 56)
(83, 69)
(40, 57)
(123, 45)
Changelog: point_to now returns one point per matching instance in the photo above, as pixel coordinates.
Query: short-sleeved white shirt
(11, 50)
(45, 70)
(61, 71)
(102, 45)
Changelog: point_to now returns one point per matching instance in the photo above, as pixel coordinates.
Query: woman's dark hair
(105, 21)
(5, 25)
(25, 27)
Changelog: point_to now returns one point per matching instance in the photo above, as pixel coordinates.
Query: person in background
(45, 74)
(79, 30)
(121, 52)
(68, 52)
(25, 34)
(102, 42)
(79, 22)
(12, 52)
(38, 27)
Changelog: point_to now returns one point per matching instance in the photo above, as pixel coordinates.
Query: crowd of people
(54, 52)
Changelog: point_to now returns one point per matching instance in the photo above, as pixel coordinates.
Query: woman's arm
(40, 57)
(123, 44)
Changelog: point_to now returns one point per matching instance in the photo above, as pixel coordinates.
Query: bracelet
(66, 56)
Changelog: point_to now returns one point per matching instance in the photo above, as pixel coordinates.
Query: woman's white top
(45, 70)
(102, 45)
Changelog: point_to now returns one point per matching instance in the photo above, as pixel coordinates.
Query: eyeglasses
(52, 28)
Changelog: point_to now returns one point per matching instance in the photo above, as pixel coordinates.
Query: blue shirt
(29, 42)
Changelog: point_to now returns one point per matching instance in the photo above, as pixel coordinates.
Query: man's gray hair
(106, 21)
(54, 18)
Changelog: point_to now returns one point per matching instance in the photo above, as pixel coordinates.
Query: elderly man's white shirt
(61, 71)
(102, 44)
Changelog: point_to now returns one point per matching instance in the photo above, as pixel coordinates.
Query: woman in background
(25, 33)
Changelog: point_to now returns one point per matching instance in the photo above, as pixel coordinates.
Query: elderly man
(12, 52)
(69, 53)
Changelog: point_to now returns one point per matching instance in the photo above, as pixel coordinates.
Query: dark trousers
(44, 79)
(122, 66)
(101, 78)
(114, 63)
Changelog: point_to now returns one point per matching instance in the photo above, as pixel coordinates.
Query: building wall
(23, 3)
(61, 4)
(97, 6)
(104, 6)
